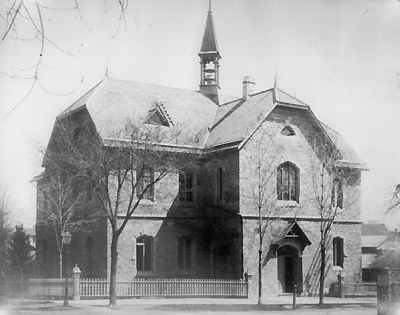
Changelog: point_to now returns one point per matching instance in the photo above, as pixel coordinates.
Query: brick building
(204, 225)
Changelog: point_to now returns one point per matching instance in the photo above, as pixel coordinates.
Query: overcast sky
(340, 57)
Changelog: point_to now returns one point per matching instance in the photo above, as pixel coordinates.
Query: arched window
(288, 182)
(144, 253)
(338, 251)
(219, 184)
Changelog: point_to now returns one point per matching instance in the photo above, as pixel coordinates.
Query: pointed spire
(276, 80)
(209, 44)
(209, 61)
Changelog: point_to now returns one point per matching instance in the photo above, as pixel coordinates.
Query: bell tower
(209, 61)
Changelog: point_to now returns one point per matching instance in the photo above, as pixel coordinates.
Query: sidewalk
(269, 300)
(276, 303)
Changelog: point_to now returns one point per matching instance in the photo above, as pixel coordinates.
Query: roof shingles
(112, 103)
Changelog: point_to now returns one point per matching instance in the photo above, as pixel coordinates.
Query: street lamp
(66, 239)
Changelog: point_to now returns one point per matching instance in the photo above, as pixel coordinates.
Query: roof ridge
(228, 113)
(89, 92)
(152, 84)
(305, 104)
(263, 91)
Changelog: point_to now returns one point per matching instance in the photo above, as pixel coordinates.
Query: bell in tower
(209, 62)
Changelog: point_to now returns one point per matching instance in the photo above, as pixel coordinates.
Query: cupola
(209, 61)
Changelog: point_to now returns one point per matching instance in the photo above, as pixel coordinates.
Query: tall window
(338, 251)
(219, 184)
(144, 253)
(186, 186)
(337, 193)
(89, 253)
(145, 183)
(184, 253)
(288, 182)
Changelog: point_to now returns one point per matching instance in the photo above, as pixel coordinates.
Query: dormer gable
(158, 116)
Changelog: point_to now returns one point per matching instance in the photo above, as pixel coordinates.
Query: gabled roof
(112, 102)
(349, 156)
(237, 119)
(292, 230)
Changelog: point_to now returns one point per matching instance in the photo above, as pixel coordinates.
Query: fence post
(248, 277)
(294, 296)
(340, 285)
(77, 275)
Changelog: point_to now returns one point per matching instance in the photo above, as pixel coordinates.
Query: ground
(154, 307)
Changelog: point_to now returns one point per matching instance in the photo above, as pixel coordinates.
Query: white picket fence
(356, 289)
(179, 288)
(137, 288)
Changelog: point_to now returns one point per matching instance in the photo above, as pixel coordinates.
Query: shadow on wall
(311, 281)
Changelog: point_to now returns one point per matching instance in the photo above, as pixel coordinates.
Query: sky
(340, 57)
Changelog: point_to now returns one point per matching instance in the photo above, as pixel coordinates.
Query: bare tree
(264, 157)
(389, 252)
(331, 180)
(393, 206)
(8, 214)
(28, 22)
(62, 198)
(122, 169)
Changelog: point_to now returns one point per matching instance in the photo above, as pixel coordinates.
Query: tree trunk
(260, 255)
(259, 275)
(113, 274)
(322, 274)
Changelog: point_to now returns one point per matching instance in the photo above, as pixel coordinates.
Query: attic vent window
(288, 131)
(76, 135)
(158, 116)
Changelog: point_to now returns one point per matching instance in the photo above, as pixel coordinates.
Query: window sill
(287, 203)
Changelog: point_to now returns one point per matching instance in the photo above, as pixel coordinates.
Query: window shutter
(341, 252)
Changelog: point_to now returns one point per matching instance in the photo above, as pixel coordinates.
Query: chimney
(248, 86)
